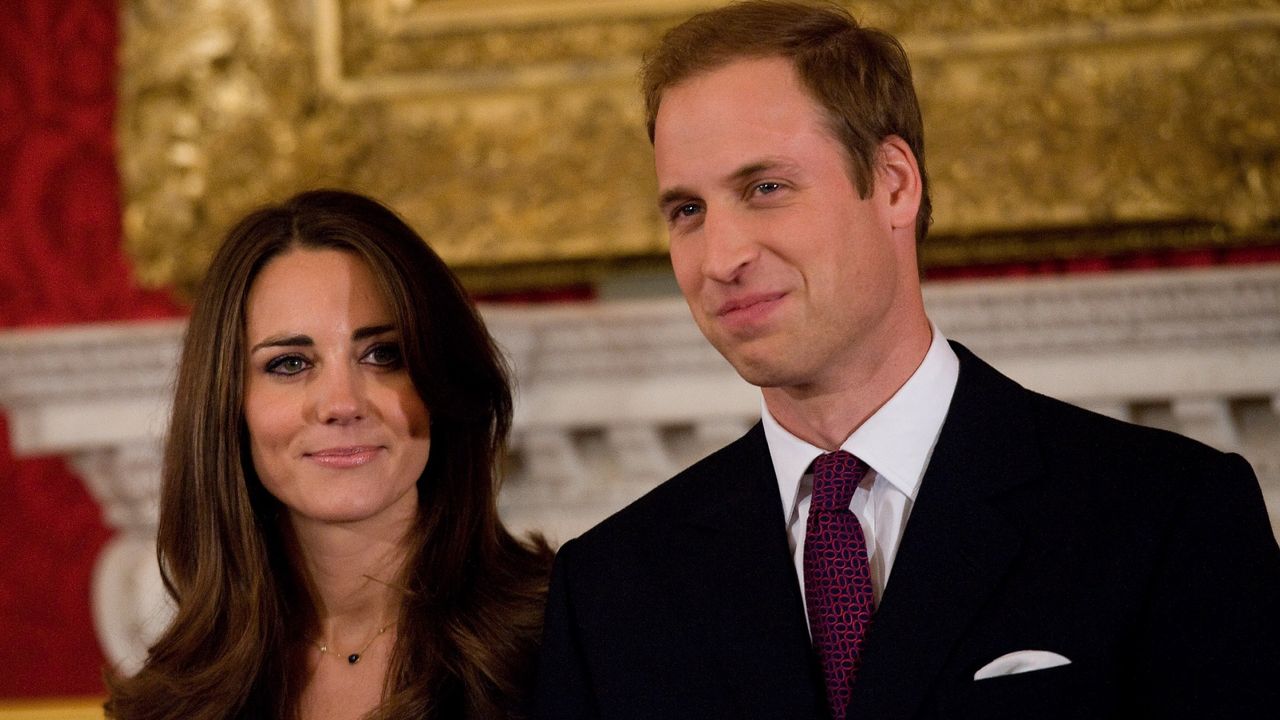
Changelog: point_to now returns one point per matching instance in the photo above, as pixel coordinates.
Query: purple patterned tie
(837, 576)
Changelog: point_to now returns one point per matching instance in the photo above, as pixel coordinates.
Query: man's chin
(758, 367)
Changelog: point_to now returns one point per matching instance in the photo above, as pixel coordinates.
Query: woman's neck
(355, 572)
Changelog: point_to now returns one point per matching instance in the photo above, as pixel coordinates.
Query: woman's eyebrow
(306, 341)
(283, 341)
(371, 331)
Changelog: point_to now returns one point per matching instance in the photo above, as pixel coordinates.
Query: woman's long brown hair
(472, 613)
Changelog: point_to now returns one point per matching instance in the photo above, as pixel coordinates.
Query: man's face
(795, 279)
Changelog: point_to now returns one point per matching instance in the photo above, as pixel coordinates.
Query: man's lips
(747, 305)
(344, 457)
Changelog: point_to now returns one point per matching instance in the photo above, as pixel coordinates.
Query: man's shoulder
(1137, 470)
(1065, 454)
(1070, 430)
(1065, 429)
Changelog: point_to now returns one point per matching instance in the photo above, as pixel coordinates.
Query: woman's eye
(384, 355)
(288, 365)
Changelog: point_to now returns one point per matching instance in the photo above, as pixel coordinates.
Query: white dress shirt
(896, 442)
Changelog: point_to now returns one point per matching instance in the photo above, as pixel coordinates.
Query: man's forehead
(736, 70)
(750, 109)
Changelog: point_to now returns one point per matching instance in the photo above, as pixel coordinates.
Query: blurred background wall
(1123, 155)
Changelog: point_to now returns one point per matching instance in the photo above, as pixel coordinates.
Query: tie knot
(835, 476)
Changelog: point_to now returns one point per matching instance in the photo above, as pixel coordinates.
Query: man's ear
(899, 175)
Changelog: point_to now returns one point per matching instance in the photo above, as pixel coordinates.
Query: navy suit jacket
(1145, 558)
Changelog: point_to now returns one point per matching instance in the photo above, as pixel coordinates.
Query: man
(907, 533)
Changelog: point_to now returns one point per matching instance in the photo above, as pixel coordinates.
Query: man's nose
(728, 243)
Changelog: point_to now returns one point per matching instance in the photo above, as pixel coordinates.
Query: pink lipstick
(345, 457)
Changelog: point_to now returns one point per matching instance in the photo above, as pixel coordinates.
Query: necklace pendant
(353, 658)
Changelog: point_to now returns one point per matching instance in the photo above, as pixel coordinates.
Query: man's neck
(825, 414)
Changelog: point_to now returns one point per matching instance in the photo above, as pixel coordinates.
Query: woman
(328, 527)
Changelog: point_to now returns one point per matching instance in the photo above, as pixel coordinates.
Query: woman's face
(337, 431)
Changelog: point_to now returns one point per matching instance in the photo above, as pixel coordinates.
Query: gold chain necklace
(354, 657)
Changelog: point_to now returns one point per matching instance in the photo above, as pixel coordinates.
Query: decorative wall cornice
(510, 134)
(86, 387)
(658, 367)
(1113, 313)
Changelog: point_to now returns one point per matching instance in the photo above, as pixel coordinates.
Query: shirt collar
(896, 441)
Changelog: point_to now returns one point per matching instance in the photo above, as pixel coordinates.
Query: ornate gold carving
(1104, 133)
(509, 133)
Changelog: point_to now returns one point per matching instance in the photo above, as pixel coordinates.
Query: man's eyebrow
(747, 171)
(678, 193)
(675, 194)
(760, 166)
(284, 341)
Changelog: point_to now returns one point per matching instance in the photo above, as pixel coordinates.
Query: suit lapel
(740, 579)
(957, 546)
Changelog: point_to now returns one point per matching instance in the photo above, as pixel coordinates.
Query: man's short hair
(860, 75)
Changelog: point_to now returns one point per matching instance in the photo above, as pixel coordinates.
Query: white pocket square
(1020, 662)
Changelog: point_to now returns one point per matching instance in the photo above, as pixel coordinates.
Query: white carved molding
(612, 397)
(130, 607)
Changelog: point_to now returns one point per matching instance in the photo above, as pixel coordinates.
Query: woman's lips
(345, 457)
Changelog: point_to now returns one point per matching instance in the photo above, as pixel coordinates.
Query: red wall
(60, 262)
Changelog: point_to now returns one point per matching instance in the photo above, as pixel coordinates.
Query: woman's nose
(340, 396)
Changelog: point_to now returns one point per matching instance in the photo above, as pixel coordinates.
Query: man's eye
(288, 365)
(384, 355)
(765, 188)
(686, 210)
